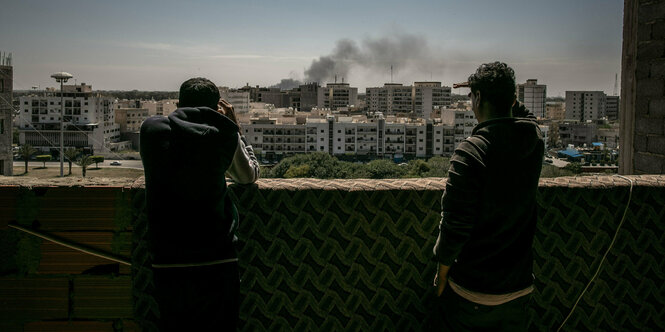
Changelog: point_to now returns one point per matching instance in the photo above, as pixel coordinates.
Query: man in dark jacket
(191, 220)
(484, 248)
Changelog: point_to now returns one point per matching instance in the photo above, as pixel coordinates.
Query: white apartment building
(337, 95)
(88, 119)
(373, 136)
(585, 105)
(239, 99)
(161, 107)
(420, 98)
(533, 96)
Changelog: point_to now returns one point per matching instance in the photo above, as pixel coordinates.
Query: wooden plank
(73, 326)
(8, 197)
(33, 298)
(102, 297)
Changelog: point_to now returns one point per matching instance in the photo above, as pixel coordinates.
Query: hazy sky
(155, 45)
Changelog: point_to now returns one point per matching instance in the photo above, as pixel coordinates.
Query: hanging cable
(600, 265)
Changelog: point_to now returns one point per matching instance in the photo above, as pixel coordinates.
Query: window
(2, 126)
(321, 131)
(339, 140)
(321, 139)
(339, 131)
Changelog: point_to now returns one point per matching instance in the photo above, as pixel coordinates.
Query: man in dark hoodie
(484, 248)
(191, 220)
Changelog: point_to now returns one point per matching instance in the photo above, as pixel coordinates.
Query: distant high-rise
(337, 95)
(6, 88)
(533, 96)
(585, 105)
(612, 108)
(419, 99)
(238, 98)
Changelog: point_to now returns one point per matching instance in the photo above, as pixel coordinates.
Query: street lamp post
(62, 78)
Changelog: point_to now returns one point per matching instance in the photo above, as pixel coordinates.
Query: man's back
(491, 196)
(185, 156)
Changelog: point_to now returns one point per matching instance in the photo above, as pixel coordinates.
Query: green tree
(575, 167)
(300, 171)
(417, 168)
(321, 165)
(43, 158)
(384, 169)
(70, 155)
(438, 167)
(26, 151)
(84, 162)
(97, 160)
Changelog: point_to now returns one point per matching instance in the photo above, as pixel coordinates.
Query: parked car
(116, 163)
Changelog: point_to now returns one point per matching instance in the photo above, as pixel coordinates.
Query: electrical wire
(600, 265)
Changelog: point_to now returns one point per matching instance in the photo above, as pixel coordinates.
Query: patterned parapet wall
(333, 255)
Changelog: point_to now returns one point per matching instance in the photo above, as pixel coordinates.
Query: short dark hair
(198, 91)
(496, 83)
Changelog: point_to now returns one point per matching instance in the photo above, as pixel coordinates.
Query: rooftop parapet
(331, 254)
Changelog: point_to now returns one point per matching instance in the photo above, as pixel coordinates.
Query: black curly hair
(496, 83)
(198, 91)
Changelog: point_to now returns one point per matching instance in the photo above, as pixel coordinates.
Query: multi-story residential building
(6, 112)
(337, 95)
(390, 99)
(462, 121)
(130, 119)
(612, 108)
(585, 105)
(309, 94)
(161, 107)
(533, 96)
(577, 133)
(420, 99)
(238, 98)
(89, 120)
(373, 136)
(555, 110)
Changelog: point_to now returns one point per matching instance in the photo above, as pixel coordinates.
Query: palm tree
(26, 151)
(70, 155)
(84, 162)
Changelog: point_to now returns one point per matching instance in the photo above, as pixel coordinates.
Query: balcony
(366, 266)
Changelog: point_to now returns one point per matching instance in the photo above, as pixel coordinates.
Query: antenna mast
(616, 83)
(391, 73)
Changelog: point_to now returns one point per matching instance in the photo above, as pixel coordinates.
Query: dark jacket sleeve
(459, 203)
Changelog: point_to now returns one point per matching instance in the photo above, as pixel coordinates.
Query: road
(107, 163)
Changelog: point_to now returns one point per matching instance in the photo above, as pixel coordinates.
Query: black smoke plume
(287, 84)
(401, 51)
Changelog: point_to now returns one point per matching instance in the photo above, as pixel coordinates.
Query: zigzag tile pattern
(334, 258)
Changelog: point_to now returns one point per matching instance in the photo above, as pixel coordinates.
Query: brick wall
(643, 88)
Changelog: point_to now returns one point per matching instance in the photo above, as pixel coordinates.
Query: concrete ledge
(588, 181)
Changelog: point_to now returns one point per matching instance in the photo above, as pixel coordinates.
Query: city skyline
(566, 45)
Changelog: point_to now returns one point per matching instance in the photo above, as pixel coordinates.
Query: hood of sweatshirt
(201, 122)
